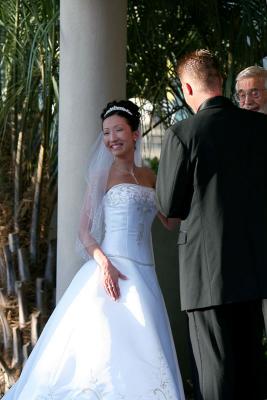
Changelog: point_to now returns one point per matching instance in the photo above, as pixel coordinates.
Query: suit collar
(214, 102)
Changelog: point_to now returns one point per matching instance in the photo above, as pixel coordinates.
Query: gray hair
(252, 72)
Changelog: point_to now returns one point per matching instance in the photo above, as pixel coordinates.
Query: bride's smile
(118, 136)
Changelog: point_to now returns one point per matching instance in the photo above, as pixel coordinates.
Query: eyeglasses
(242, 94)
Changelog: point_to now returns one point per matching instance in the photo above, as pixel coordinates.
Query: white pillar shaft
(92, 72)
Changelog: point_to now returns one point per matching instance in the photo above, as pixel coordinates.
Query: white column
(92, 72)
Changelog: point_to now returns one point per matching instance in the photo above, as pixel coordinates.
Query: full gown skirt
(94, 348)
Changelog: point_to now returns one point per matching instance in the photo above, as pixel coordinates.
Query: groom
(213, 175)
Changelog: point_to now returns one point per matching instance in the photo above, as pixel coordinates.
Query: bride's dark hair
(124, 108)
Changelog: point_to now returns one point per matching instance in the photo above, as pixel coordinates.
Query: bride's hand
(110, 280)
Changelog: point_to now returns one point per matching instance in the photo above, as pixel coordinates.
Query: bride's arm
(110, 274)
(169, 223)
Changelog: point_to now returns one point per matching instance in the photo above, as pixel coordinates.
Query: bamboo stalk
(35, 327)
(17, 180)
(50, 268)
(14, 82)
(23, 265)
(26, 350)
(40, 300)
(17, 348)
(10, 271)
(3, 277)
(3, 299)
(6, 332)
(23, 314)
(13, 242)
(36, 206)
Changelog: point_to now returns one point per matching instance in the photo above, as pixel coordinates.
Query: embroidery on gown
(142, 196)
(96, 390)
(130, 193)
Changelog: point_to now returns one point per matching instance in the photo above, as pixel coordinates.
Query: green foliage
(29, 53)
(156, 36)
(153, 163)
(160, 32)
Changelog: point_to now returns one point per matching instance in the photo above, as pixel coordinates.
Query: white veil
(92, 228)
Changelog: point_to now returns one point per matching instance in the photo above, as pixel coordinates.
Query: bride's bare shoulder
(148, 175)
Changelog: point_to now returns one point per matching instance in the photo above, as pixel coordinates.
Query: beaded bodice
(129, 212)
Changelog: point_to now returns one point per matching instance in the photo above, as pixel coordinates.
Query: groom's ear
(188, 89)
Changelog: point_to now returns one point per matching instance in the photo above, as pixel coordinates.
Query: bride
(109, 337)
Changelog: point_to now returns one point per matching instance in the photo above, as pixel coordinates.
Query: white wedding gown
(93, 348)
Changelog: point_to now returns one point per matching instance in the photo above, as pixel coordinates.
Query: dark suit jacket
(213, 175)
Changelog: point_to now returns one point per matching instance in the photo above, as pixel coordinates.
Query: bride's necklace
(130, 172)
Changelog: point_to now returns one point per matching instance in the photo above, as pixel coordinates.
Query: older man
(251, 89)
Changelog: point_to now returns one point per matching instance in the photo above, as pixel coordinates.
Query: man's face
(252, 94)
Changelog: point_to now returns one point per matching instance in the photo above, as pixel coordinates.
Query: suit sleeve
(174, 187)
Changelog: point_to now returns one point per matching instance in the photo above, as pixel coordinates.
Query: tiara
(117, 108)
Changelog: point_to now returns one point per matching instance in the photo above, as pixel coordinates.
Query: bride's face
(118, 135)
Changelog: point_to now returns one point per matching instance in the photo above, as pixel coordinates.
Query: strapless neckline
(129, 184)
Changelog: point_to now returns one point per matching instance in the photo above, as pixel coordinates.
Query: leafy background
(159, 32)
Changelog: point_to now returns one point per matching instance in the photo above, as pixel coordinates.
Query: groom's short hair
(202, 66)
